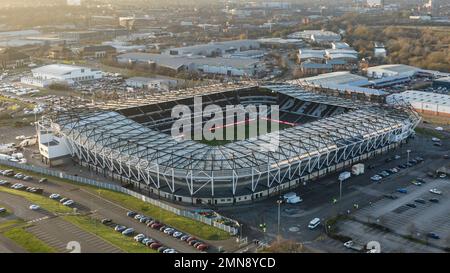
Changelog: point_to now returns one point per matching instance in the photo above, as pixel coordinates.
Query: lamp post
(279, 201)
(407, 152)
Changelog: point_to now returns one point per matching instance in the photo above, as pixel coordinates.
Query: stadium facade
(130, 141)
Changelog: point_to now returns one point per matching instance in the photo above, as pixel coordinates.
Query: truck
(294, 200)
(358, 169)
(354, 245)
(344, 175)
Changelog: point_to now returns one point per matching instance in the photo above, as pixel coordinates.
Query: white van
(314, 223)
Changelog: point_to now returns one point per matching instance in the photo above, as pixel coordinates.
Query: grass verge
(43, 202)
(108, 234)
(184, 224)
(27, 240)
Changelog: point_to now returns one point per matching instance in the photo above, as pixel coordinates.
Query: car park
(54, 196)
(34, 207)
(436, 191)
(120, 228)
(128, 232)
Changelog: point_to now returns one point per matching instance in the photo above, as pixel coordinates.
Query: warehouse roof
(421, 96)
(57, 69)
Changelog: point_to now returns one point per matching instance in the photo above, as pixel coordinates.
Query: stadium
(131, 141)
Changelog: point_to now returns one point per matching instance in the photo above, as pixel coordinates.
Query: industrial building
(130, 141)
(423, 102)
(161, 84)
(175, 64)
(98, 51)
(391, 70)
(443, 82)
(214, 49)
(61, 73)
(317, 36)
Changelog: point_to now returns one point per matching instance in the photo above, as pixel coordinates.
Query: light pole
(407, 152)
(340, 189)
(279, 201)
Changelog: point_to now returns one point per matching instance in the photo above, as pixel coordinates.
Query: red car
(202, 247)
(156, 226)
(190, 239)
(155, 246)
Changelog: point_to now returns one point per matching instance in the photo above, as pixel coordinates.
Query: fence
(91, 182)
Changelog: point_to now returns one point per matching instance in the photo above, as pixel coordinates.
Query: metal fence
(117, 188)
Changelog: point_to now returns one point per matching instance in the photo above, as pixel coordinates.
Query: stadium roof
(107, 131)
(421, 96)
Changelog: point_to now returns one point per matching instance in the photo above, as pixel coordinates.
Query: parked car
(120, 228)
(414, 182)
(191, 243)
(169, 231)
(128, 232)
(54, 196)
(401, 190)
(106, 221)
(190, 238)
(434, 200)
(202, 247)
(62, 200)
(184, 237)
(170, 250)
(442, 175)
(131, 214)
(43, 180)
(34, 207)
(2, 210)
(433, 235)
(27, 178)
(411, 205)
(68, 203)
(161, 249)
(391, 196)
(421, 180)
(376, 178)
(138, 217)
(420, 201)
(149, 242)
(435, 191)
(177, 234)
(155, 245)
(162, 228)
(139, 237)
(143, 219)
(156, 225)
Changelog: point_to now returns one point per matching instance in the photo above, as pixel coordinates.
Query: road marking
(38, 219)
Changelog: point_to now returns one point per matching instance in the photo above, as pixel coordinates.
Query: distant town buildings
(391, 70)
(214, 49)
(317, 36)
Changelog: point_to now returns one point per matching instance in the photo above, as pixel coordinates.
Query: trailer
(358, 169)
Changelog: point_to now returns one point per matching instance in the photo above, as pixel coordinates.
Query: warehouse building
(218, 65)
(214, 49)
(60, 73)
(160, 84)
(423, 102)
(391, 70)
(442, 82)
